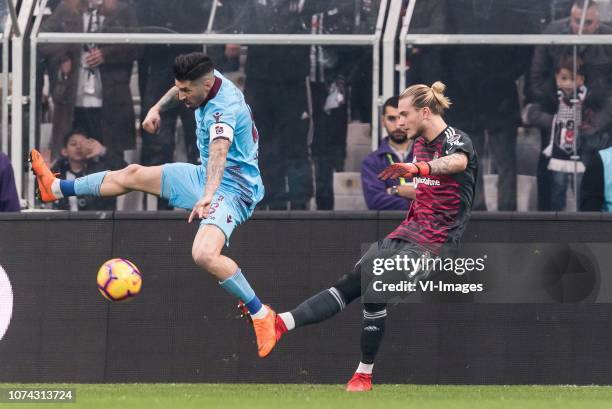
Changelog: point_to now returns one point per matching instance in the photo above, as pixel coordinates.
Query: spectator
(396, 147)
(482, 84)
(155, 75)
(581, 114)
(596, 189)
(82, 156)
(364, 22)
(424, 63)
(332, 68)
(9, 200)
(89, 82)
(275, 89)
(596, 65)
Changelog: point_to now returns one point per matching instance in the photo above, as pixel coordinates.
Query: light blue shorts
(183, 185)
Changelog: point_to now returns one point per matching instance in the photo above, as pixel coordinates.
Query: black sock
(372, 331)
(319, 307)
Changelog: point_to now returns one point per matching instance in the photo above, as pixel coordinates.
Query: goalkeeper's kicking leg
(331, 301)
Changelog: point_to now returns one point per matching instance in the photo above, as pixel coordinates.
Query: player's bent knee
(127, 176)
(204, 257)
(349, 286)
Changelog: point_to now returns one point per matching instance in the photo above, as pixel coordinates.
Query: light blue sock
(238, 286)
(89, 185)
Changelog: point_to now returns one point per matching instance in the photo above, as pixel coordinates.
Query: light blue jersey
(226, 107)
(225, 115)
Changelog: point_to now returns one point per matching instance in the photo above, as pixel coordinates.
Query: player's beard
(419, 131)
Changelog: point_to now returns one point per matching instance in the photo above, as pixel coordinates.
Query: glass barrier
(536, 129)
(227, 16)
(506, 16)
(306, 101)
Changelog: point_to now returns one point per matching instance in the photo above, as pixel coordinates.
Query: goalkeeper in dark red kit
(444, 172)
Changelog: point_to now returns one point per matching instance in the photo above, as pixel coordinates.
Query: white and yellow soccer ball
(119, 280)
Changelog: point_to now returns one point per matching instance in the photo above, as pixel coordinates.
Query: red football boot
(360, 382)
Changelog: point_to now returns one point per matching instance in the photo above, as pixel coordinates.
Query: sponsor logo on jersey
(229, 218)
(426, 181)
(217, 116)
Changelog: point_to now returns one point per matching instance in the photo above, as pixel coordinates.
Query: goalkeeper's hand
(405, 170)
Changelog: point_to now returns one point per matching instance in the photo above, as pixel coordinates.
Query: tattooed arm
(214, 173)
(152, 121)
(216, 165)
(169, 100)
(446, 165)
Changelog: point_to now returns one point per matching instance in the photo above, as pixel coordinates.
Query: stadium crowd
(305, 99)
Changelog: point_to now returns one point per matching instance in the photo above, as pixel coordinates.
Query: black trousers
(159, 149)
(281, 116)
(328, 145)
(89, 120)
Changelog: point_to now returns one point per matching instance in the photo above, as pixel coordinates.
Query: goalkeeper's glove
(405, 170)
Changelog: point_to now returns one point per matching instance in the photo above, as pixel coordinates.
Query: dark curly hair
(190, 67)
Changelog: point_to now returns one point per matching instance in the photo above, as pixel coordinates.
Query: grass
(236, 396)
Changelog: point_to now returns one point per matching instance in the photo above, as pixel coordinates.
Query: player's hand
(92, 148)
(405, 170)
(152, 121)
(201, 208)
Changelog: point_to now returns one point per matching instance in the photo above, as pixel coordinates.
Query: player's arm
(447, 165)
(216, 165)
(153, 119)
(169, 100)
(214, 173)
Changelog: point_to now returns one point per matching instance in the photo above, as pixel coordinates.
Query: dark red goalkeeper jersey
(443, 203)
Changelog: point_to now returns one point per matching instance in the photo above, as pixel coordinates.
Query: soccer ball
(119, 280)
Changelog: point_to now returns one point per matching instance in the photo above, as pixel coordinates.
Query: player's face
(192, 93)
(591, 21)
(73, 149)
(410, 118)
(390, 121)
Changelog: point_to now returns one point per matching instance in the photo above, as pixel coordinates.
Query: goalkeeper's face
(193, 93)
(411, 119)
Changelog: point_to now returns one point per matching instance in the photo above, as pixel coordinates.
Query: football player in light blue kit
(222, 191)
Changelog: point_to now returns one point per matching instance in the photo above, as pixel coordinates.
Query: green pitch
(208, 396)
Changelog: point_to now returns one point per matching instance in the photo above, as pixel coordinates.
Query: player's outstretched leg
(372, 333)
(45, 179)
(206, 252)
(324, 305)
(107, 183)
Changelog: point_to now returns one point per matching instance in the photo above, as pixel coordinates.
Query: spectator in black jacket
(82, 155)
(596, 194)
(9, 201)
(482, 83)
(597, 66)
(276, 92)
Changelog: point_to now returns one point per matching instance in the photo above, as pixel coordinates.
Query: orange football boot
(265, 331)
(44, 177)
(360, 382)
(268, 330)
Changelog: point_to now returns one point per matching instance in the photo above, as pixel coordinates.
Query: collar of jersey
(213, 91)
